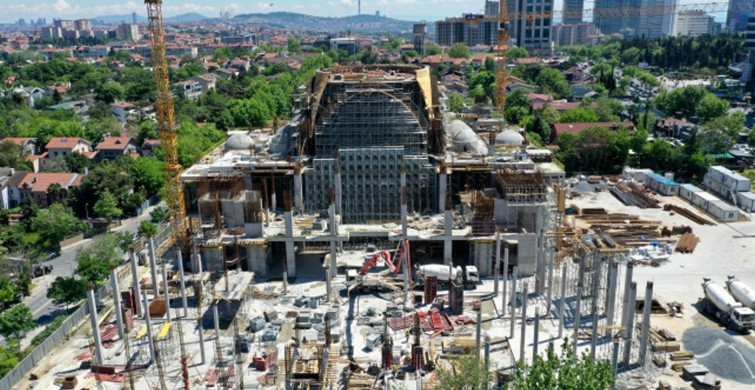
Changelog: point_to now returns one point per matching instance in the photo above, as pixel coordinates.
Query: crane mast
(501, 71)
(166, 122)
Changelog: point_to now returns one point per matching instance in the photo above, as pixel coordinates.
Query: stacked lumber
(694, 217)
(631, 194)
(687, 243)
(681, 355)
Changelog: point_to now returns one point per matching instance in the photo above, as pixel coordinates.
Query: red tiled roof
(152, 142)
(64, 142)
(18, 140)
(91, 155)
(33, 157)
(40, 182)
(114, 143)
(578, 127)
(559, 106)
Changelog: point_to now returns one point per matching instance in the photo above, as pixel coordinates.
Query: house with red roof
(59, 147)
(113, 147)
(28, 145)
(149, 146)
(37, 186)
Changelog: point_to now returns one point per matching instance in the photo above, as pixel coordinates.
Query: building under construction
(369, 158)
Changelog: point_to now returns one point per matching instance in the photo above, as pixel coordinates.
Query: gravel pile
(721, 353)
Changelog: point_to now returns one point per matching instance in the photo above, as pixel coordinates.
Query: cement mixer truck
(741, 292)
(732, 314)
(468, 275)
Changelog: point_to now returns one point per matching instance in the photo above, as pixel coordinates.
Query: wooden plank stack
(688, 213)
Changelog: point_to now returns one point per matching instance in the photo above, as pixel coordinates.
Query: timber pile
(632, 194)
(689, 214)
(687, 243)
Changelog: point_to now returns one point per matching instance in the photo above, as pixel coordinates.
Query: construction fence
(47, 346)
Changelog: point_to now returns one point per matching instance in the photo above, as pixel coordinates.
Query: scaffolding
(384, 114)
(371, 183)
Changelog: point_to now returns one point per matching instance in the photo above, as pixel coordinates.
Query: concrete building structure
(660, 21)
(82, 24)
(610, 23)
(409, 174)
(128, 32)
(532, 31)
(573, 11)
(573, 34)
(694, 23)
(59, 147)
(470, 29)
(63, 24)
(52, 33)
(420, 34)
(737, 15)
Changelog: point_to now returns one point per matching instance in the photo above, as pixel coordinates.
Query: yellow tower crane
(166, 122)
(503, 42)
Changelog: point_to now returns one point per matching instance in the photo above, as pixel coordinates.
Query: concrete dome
(509, 137)
(461, 133)
(239, 141)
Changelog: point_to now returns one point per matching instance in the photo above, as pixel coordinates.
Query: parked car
(42, 270)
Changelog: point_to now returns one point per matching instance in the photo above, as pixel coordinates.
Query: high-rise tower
(420, 32)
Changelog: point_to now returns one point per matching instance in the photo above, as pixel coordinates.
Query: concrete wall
(258, 260)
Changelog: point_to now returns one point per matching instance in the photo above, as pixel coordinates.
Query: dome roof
(239, 141)
(461, 133)
(509, 137)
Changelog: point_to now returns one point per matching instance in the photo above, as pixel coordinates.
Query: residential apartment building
(52, 33)
(82, 24)
(694, 23)
(128, 32)
(64, 24)
(532, 31)
(470, 29)
(659, 20)
(573, 34)
(113, 147)
(99, 51)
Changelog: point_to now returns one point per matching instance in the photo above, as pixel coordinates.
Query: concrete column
(496, 263)
(273, 203)
(505, 279)
(613, 273)
(338, 192)
(333, 234)
(615, 359)
(577, 316)
(523, 342)
(487, 360)
(153, 267)
(167, 294)
(216, 320)
(196, 259)
(562, 308)
(149, 328)
(536, 341)
(540, 272)
(137, 288)
(95, 325)
(513, 301)
(597, 267)
(328, 288)
(630, 325)
(627, 294)
(409, 294)
(298, 190)
(549, 297)
(404, 206)
(478, 335)
(288, 220)
(200, 329)
(646, 321)
(181, 276)
(442, 190)
(117, 302)
(448, 224)
(594, 336)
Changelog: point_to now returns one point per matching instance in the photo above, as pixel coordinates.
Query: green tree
(631, 56)
(293, 45)
(433, 49)
(566, 371)
(147, 229)
(9, 359)
(554, 82)
(148, 130)
(459, 50)
(55, 224)
(517, 52)
(94, 261)
(579, 115)
(77, 162)
(711, 107)
(67, 290)
(455, 102)
(468, 372)
(8, 291)
(16, 321)
(110, 91)
(29, 211)
(107, 207)
(148, 174)
(159, 215)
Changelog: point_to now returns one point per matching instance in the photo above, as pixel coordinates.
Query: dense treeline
(706, 51)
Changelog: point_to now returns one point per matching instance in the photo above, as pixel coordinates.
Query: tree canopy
(565, 371)
(459, 50)
(16, 321)
(67, 290)
(55, 224)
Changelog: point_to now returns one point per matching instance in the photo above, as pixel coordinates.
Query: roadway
(42, 308)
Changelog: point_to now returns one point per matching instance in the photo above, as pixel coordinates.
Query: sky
(429, 10)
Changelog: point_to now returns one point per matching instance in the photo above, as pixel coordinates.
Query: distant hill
(115, 19)
(355, 23)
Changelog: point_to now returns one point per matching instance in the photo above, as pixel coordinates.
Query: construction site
(339, 253)
(377, 237)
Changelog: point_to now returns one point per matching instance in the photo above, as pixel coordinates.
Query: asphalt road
(42, 308)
